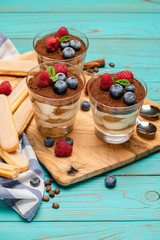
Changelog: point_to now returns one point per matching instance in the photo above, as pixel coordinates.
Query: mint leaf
(54, 79)
(123, 82)
(51, 71)
(115, 80)
(64, 39)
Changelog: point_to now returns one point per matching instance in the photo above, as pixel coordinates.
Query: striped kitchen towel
(19, 193)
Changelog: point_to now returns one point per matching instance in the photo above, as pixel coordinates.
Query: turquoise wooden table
(128, 34)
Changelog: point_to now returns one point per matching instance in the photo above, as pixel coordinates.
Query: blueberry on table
(72, 82)
(116, 91)
(129, 98)
(35, 181)
(75, 44)
(61, 76)
(48, 141)
(110, 181)
(85, 105)
(64, 44)
(130, 88)
(68, 52)
(69, 140)
(60, 87)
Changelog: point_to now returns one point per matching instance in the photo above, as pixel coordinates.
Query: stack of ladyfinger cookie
(15, 113)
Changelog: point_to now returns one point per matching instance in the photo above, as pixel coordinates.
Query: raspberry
(61, 68)
(44, 79)
(125, 75)
(5, 88)
(63, 149)
(62, 31)
(106, 81)
(52, 44)
(86, 89)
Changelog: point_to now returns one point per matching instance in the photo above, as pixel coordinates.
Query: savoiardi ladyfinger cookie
(9, 171)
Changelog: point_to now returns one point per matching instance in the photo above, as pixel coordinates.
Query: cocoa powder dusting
(105, 98)
(40, 47)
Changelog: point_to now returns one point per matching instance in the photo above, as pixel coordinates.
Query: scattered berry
(69, 140)
(63, 149)
(35, 181)
(85, 105)
(75, 44)
(116, 91)
(72, 82)
(106, 81)
(130, 88)
(86, 88)
(61, 76)
(52, 44)
(64, 44)
(61, 68)
(44, 79)
(5, 88)
(124, 75)
(62, 31)
(129, 98)
(110, 181)
(68, 52)
(60, 87)
(48, 141)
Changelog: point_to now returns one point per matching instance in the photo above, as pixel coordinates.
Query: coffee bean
(87, 70)
(51, 193)
(47, 182)
(48, 188)
(96, 69)
(111, 64)
(55, 205)
(91, 70)
(51, 180)
(57, 191)
(45, 198)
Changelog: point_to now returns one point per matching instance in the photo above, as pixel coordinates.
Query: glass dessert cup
(54, 117)
(76, 61)
(114, 125)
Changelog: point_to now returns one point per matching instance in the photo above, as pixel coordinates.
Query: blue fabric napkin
(19, 193)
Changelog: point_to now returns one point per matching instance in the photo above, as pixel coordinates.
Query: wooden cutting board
(90, 156)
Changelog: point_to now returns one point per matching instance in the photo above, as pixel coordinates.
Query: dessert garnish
(128, 75)
(48, 141)
(61, 68)
(69, 140)
(85, 106)
(44, 79)
(62, 31)
(75, 44)
(106, 81)
(60, 87)
(61, 76)
(72, 82)
(130, 88)
(68, 52)
(116, 91)
(64, 44)
(63, 149)
(52, 73)
(52, 44)
(5, 88)
(110, 181)
(129, 98)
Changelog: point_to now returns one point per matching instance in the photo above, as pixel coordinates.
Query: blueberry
(110, 181)
(130, 88)
(116, 91)
(35, 181)
(75, 44)
(85, 105)
(68, 52)
(61, 76)
(129, 98)
(48, 141)
(64, 44)
(72, 82)
(69, 140)
(60, 87)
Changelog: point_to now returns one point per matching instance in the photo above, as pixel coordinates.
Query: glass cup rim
(116, 108)
(51, 29)
(55, 99)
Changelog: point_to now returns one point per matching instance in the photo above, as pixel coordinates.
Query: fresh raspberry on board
(86, 88)
(62, 149)
(52, 44)
(44, 79)
(62, 31)
(124, 75)
(61, 68)
(5, 88)
(106, 81)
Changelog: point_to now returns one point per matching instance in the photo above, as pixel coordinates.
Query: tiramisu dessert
(65, 44)
(116, 99)
(55, 91)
